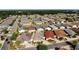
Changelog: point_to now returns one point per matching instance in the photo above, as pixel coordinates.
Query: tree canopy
(6, 13)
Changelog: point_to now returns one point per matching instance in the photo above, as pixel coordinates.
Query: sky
(39, 4)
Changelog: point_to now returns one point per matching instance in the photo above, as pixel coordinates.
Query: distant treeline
(5, 13)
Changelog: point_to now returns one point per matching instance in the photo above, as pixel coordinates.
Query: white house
(40, 29)
(21, 31)
(62, 27)
(38, 22)
(74, 26)
(47, 28)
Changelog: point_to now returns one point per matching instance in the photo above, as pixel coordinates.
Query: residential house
(70, 32)
(76, 30)
(49, 35)
(24, 37)
(31, 29)
(60, 33)
(53, 26)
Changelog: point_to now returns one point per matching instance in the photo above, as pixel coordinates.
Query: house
(49, 35)
(53, 26)
(21, 31)
(25, 22)
(39, 29)
(50, 22)
(60, 26)
(70, 32)
(65, 25)
(76, 30)
(4, 26)
(8, 20)
(63, 21)
(24, 37)
(47, 28)
(31, 29)
(74, 26)
(38, 36)
(60, 33)
(38, 22)
(10, 28)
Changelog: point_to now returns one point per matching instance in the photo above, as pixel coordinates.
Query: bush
(19, 24)
(75, 42)
(51, 41)
(19, 21)
(42, 47)
(60, 38)
(2, 38)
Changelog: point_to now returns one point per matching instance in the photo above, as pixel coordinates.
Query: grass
(51, 41)
(0, 45)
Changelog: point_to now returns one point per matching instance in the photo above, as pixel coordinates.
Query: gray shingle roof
(70, 32)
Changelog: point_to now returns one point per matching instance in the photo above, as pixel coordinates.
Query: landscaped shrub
(42, 47)
(51, 41)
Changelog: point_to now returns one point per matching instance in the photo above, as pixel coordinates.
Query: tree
(20, 24)
(5, 31)
(17, 32)
(14, 36)
(2, 38)
(75, 42)
(61, 38)
(42, 47)
(19, 21)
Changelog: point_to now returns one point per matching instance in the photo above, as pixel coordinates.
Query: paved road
(57, 45)
(51, 46)
(30, 48)
(15, 25)
(6, 46)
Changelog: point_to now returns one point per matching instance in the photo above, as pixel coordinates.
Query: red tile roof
(76, 30)
(49, 34)
(60, 33)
